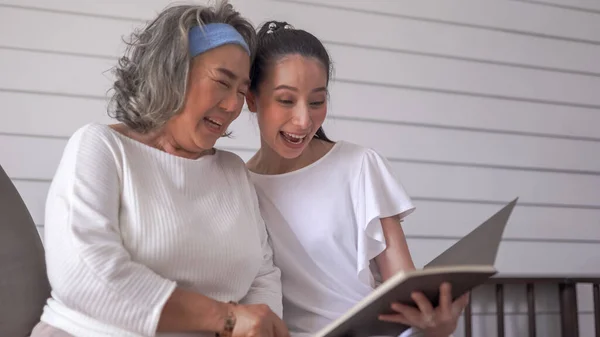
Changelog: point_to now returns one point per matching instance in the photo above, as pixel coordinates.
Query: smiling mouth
(213, 124)
(292, 138)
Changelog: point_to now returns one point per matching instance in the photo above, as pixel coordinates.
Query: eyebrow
(231, 75)
(287, 87)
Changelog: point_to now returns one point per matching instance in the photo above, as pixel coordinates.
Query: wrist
(219, 314)
(188, 311)
(228, 320)
(207, 314)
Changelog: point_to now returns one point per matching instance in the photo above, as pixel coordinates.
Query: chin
(206, 137)
(205, 144)
(287, 154)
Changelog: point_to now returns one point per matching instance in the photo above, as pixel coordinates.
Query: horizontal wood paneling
(458, 146)
(462, 76)
(520, 258)
(469, 147)
(34, 195)
(417, 143)
(54, 73)
(103, 36)
(444, 218)
(514, 257)
(124, 10)
(383, 66)
(535, 187)
(591, 6)
(435, 38)
(91, 76)
(30, 158)
(523, 257)
(518, 17)
(48, 115)
(420, 179)
(432, 108)
(30, 112)
(436, 219)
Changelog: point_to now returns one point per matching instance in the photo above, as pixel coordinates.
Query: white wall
(474, 102)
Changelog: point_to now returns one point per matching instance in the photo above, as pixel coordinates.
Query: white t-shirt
(126, 223)
(324, 224)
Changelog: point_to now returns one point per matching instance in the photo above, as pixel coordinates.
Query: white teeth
(213, 121)
(294, 136)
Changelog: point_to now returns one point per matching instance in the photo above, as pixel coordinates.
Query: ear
(251, 101)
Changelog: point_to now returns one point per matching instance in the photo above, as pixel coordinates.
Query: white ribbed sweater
(126, 223)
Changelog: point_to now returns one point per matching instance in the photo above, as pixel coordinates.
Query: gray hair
(151, 78)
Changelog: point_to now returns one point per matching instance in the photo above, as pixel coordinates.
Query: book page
(479, 247)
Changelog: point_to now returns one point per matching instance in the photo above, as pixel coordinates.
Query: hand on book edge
(434, 322)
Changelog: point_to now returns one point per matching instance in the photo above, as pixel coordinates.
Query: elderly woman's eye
(225, 84)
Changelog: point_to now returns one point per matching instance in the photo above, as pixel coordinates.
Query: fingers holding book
(434, 322)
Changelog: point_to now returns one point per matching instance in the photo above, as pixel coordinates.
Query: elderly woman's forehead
(230, 61)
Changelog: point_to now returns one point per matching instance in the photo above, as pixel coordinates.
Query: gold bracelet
(229, 324)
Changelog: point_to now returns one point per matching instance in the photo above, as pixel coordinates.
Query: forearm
(190, 311)
(396, 257)
(390, 263)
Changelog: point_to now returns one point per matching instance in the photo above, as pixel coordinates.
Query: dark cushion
(24, 286)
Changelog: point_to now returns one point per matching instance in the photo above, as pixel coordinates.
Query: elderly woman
(150, 229)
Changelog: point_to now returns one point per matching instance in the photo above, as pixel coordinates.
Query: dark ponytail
(277, 39)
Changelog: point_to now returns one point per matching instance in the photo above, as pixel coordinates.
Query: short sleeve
(377, 194)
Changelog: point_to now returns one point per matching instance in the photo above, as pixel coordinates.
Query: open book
(466, 265)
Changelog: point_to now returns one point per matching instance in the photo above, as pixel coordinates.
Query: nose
(301, 117)
(233, 102)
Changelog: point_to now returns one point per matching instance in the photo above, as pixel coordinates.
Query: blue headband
(214, 35)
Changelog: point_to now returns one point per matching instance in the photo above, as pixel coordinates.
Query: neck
(164, 140)
(167, 142)
(267, 161)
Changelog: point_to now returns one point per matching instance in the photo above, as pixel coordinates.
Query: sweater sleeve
(266, 287)
(89, 268)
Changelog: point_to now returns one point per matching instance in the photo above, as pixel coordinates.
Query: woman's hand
(257, 320)
(438, 322)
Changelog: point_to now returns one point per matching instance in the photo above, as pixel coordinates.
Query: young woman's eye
(286, 101)
(317, 104)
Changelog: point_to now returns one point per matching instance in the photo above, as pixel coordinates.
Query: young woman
(333, 209)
